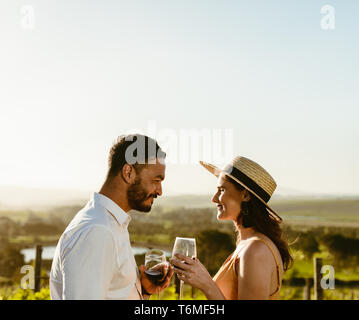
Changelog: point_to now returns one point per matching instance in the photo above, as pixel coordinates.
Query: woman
(255, 269)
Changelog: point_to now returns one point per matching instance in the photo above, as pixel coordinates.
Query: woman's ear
(128, 173)
(246, 195)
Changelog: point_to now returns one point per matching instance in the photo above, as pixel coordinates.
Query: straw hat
(251, 176)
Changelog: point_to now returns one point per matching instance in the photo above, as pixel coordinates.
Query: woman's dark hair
(265, 224)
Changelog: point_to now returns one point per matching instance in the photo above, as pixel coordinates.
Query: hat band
(247, 181)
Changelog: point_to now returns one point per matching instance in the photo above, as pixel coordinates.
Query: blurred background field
(325, 228)
(276, 81)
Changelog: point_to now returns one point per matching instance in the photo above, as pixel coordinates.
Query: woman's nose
(215, 198)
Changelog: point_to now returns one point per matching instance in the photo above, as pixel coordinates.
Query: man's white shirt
(93, 258)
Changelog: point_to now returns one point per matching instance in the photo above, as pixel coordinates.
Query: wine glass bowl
(186, 247)
(154, 257)
(156, 266)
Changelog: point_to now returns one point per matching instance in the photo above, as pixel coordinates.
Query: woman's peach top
(227, 279)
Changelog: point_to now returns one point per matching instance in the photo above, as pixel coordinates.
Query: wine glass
(186, 247)
(156, 267)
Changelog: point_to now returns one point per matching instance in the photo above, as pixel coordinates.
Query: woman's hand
(192, 271)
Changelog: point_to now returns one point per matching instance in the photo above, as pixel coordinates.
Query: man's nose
(159, 190)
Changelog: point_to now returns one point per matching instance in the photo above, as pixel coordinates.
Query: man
(93, 258)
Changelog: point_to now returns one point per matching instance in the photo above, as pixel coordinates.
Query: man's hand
(152, 288)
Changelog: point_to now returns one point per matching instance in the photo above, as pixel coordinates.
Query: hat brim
(216, 171)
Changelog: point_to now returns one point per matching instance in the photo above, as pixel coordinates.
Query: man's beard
(137, 195)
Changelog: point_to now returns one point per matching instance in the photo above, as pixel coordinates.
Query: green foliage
(319, 212)
(10, 260)
(341, 246)
(6, 291)
(308, 243)
(344, 250)
(28, 294)
(341, 294)
(170, 294)
(42, 228)
(174, 222)
(8, 229)
(291, 293)
(316, 224)
(140, 259)
(213, 248)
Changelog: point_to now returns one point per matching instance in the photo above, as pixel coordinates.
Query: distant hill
(39, 198)
(188, 201)
(295, 208)
(17, 198)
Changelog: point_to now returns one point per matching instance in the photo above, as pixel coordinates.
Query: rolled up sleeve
(89, 264)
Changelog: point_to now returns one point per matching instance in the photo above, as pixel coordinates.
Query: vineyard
(336, 245)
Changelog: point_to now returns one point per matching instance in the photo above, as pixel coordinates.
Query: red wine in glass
(155, 276)
(156, 267)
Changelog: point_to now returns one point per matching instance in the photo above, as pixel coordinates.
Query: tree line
(215, 240)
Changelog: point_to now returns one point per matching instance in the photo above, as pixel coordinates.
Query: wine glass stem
(181, 290)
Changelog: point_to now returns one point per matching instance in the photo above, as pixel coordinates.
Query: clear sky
(88, 71)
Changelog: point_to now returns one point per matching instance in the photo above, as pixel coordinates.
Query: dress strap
(276, 262)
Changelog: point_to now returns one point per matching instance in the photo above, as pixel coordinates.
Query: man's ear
(128, 173)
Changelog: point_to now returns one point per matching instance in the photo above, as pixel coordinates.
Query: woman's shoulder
(255, 248)
(265, 246)
(259, 245)
(254, 256)
(262, 240)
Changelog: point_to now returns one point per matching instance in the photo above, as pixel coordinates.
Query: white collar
(118, 213)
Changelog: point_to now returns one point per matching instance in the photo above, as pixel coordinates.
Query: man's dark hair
(134, 149)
